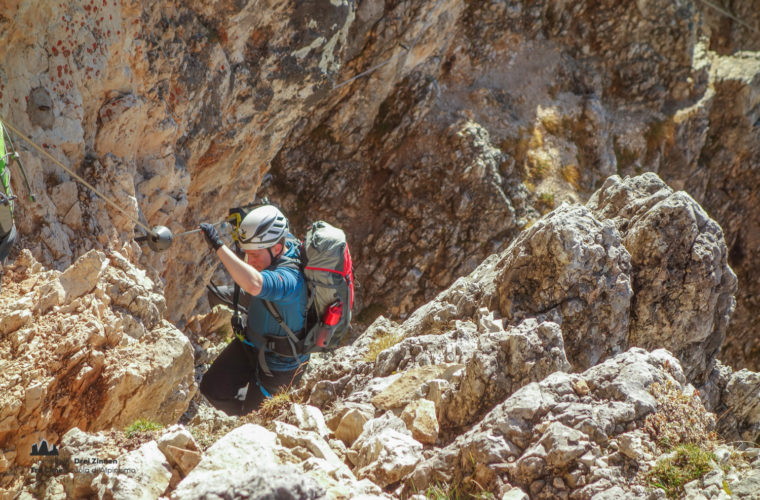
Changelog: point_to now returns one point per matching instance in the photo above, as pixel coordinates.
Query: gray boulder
(683, 287)
(143, 474)
(265, 482)
(503, 362)
(741, 417)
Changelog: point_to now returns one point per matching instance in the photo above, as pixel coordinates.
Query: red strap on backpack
(347, 272)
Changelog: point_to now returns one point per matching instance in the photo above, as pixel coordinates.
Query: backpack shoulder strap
(291, 262)
(295, 343)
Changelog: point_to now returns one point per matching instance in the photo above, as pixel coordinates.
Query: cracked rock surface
(86, 348)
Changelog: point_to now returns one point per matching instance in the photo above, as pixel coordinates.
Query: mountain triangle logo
(43, 450)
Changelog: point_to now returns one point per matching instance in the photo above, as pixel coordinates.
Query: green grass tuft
(545, 203)
(441, 491)
(688, 463)
(271, 407)
(380, 344)
(141, 425)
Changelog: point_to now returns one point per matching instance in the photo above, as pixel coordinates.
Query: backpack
(327, 266)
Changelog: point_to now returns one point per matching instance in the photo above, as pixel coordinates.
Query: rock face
(159, 107)
(640, 265)
(683, 287)
(484, 112)
(151, 482)
(252, 462)
(432, 133)
(436, 133)
(551, 430)
(86, 348)
(726, 129)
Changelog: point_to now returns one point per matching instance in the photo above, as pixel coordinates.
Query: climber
(261, 356)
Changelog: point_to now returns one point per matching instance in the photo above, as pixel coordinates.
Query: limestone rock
(252, 462)
(180, 448)
(457, 128)
(178, 437)
(493, 324)
(456, 156)
(308, 418)
(70, 365)
(168, 394)
(407, 387)
(571, 428)
(82, 277)
(747, 487)
(725, 133)
(476, 118)
(504, 362)
(261, 482)
(515, 494)
(632, 445)
(385, 451)
(183, 459)
(79, 448)
(742, 402)
(143, 473)
(246, 448)
(563, 445)
(712, 390)
(570, 259)
(683, 285)
(64, 197)
(290, 436)
(419, 417)
(351, 425)
(14, 320)
(501, 107)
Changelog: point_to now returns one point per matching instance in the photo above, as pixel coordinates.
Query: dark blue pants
(235, 367)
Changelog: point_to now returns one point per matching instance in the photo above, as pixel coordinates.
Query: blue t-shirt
(285, 287)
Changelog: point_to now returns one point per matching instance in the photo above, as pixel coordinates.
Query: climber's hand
(211, 236)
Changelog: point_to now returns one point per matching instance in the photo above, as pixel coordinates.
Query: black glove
(212, 237)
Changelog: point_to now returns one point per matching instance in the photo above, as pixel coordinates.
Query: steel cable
(74, 174)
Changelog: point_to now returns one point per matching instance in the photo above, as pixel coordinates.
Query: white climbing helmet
(263, 227)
